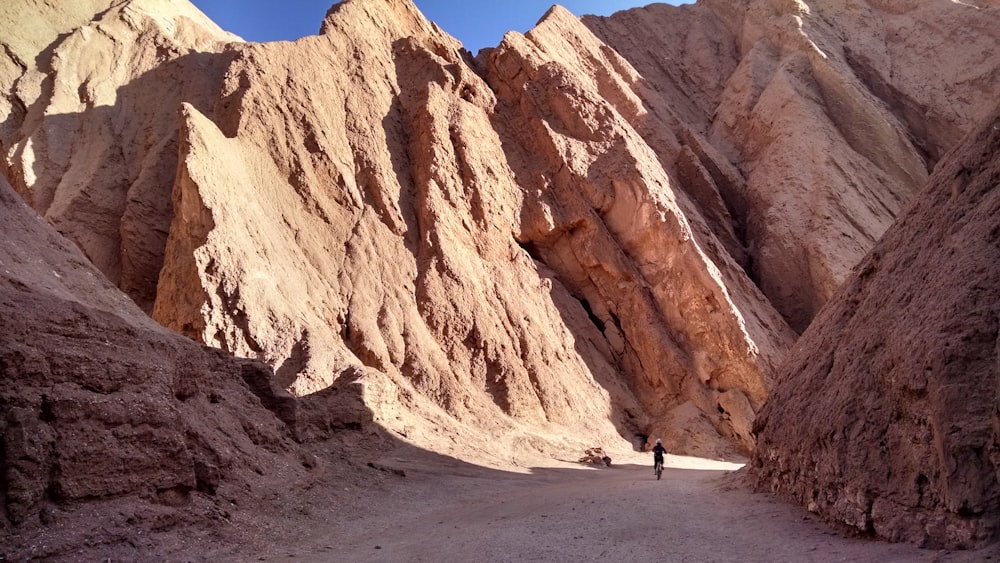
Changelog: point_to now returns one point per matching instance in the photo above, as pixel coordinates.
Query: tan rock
(378, 237)
(572, 239)
(420, 260)
(90, 141)
(102, 406)
(630, 246)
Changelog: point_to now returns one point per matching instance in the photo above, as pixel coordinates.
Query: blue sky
(476, 23)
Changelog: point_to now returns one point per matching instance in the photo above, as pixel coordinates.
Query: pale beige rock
(631, 246)
(401, 258)
(91, 141)
(420, 259)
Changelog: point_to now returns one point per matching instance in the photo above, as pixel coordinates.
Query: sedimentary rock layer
(90, 136)
(833, 113)
(586, 232)
(411, 230)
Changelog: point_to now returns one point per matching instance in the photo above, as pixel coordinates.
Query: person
(658, 451)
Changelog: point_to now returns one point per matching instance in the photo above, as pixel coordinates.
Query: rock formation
(102, 405)
(90, 131)
(604, 228)
(887, 415)
(833, 112)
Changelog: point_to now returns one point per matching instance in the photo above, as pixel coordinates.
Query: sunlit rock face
(91, 94)
(604, 228)
(886, 417)
(833, 113)
(603, 209)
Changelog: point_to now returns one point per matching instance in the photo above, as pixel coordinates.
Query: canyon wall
(90, 132)
(833, 113)
(109, 417)
(887, 415)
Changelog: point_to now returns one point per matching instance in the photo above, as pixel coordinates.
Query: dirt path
(570, 513)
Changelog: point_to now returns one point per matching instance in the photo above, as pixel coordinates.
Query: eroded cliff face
(476, 241)
(602, 229)
(90, 139)
(682, 320)
(833, 112)
(887, 415)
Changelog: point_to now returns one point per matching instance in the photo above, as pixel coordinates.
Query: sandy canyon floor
(444, 510)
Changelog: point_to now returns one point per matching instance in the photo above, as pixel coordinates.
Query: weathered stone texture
(886, 415)
(832, 111)
(101, 405)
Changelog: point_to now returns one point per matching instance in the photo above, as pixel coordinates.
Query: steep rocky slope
(887, 416)
(547, 235)
(106, 414)
(352, 248)
(833, 112)
(90, 140)
(477, 277)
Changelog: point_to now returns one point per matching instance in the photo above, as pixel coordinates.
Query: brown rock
(606, 216)
(91, 138)
(886, 417)
(366, 241)
(421, 260)
(592, 231)
(832, 111)
(99, 403)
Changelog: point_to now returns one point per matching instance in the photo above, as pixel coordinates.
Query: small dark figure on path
(658, 451)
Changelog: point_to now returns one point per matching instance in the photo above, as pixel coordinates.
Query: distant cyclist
(658, 451)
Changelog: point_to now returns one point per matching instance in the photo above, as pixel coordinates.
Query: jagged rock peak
(805, 97)
(391, 19)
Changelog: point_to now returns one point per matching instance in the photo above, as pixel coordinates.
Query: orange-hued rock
(682, 319)
(90, 140)
(886, 416)
(832, 111)
(345, 239)
(411, 231)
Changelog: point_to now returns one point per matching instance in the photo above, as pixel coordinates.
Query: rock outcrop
(90, 140)
(516, 282)
(102, 406)
(887, 415)
(679, 314)
(567, 214)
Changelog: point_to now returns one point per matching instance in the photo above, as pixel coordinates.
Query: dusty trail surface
(699, 511)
